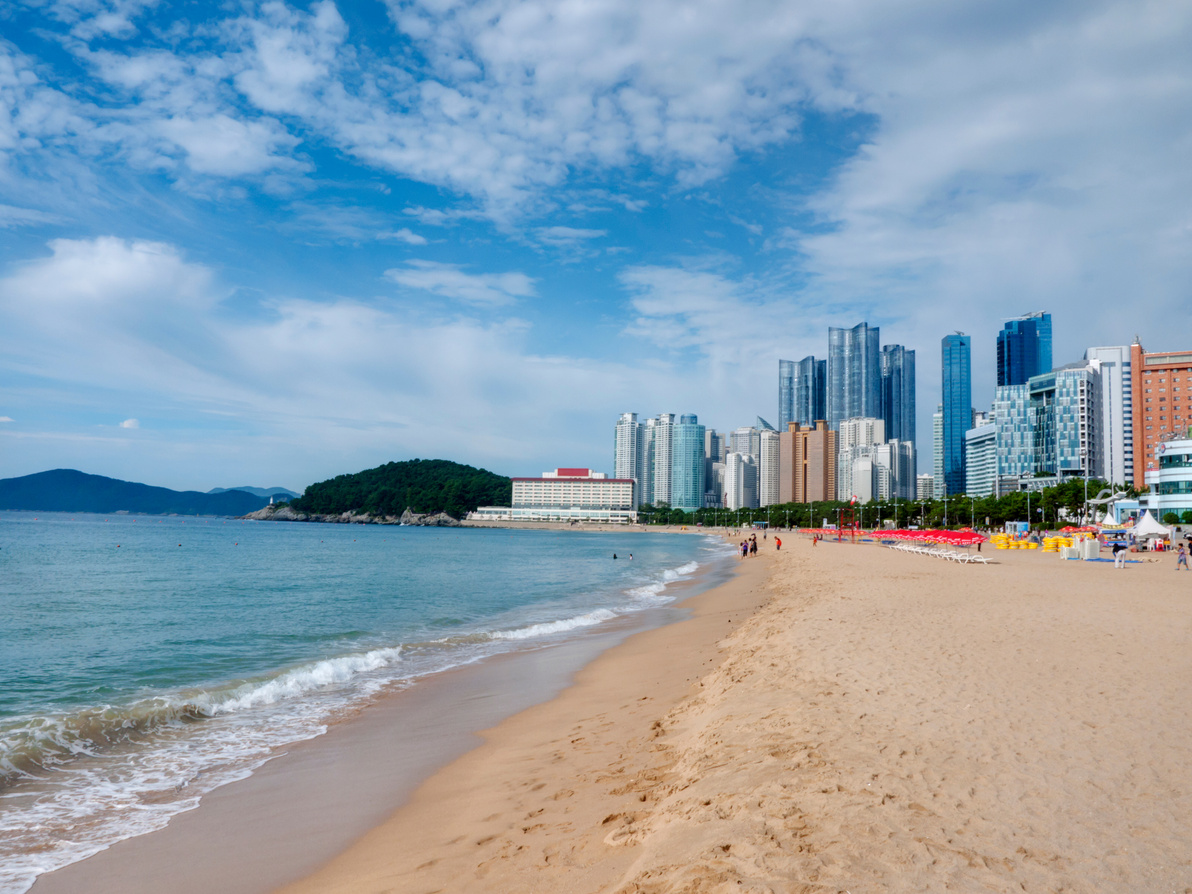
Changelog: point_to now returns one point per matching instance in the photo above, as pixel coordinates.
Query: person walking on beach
(1119, 555)
(777, 543)
(1181, 558)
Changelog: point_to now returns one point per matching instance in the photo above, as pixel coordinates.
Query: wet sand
(840, 718)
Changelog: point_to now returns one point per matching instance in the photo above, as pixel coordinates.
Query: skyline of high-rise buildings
(1096, 417)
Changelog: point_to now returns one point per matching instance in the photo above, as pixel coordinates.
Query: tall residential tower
(802, 392)
(854, 373)
(627, 453)
(898, 392)
(687, 464)
(956, 379)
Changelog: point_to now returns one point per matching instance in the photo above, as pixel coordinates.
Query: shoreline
(855, 718)
(314, 797)
(612, 699)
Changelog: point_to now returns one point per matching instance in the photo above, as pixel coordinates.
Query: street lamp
(973, 512)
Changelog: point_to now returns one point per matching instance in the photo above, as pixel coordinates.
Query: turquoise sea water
(145, 661)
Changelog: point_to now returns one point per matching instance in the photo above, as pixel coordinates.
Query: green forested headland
(421, 485)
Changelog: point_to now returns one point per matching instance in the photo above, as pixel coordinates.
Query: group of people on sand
(749, 547)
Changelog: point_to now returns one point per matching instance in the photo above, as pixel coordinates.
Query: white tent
(1148, 528)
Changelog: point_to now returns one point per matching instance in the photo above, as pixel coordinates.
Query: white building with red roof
(566, 495)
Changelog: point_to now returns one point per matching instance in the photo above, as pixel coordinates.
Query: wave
(673, 574)
(548, 627)
(31, 746)
(302, 680)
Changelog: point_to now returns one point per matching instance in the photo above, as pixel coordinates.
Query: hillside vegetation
(422, 485)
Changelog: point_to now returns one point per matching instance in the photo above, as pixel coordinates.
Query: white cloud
(449, 281)
(228, 147)
(100, 18)
(111, 308)
(6, 419)
(290, 56)
(130, 423)
(11, 217)
(566, 237)
(514, 97)
(406, 235)
(442, 217)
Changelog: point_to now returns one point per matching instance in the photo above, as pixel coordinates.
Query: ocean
(146, 661)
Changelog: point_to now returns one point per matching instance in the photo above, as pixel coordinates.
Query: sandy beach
(838, 718)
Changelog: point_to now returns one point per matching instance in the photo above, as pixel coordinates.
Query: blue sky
(267, 243)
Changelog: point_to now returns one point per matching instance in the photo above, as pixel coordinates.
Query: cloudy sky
(267, 243)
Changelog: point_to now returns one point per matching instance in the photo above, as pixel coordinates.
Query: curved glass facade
(1024, 349)
(854, 373)
(802, 391)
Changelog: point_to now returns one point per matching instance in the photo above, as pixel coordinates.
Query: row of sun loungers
(940, 553)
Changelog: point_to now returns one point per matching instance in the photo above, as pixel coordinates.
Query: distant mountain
(423, 485)
(279, 493)
(66, 490)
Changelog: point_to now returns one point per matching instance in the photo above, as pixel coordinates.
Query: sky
(267, 243)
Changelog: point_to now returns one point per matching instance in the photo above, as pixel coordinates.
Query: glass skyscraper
(802, 391)
(1024, 349)
(854, 373)
(898, 392)
(957, 382)
(687, 472)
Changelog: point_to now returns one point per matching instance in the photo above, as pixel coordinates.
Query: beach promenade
(838, 718)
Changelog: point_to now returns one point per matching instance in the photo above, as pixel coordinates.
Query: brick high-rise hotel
(1162, 402)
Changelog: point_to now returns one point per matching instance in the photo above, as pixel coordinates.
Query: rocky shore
(283, 512)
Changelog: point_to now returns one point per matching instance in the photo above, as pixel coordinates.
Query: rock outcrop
(283, 512)
(433, 520)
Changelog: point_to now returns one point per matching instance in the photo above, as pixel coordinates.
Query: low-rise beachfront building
(566, 495)
(1170, 482)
